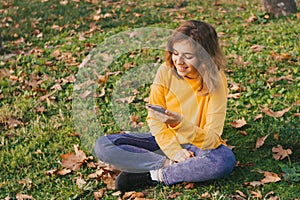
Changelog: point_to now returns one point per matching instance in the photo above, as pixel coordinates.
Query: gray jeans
(139, 152)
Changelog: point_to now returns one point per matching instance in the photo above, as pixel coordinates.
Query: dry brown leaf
(261, 141)
(23, 196)
(132, 195)
(12, 123)
(243, 132)
(238, 123)
(63, 172)
(271, 113)
(98, 173)
(280, 153)
(65, 2)
(276, 136)
(99, 194)
(189, 186)
(252, 18)
(270, 177)
(276, 79)
(257, 194)
(128, 100)
(205, 195)
(51, 172)
(254, 183)
(256, 48)
(280, 57)
(109, 180)
(80, 182)
(85, 94)
(240, 193)
(235, 95)
(74, 161)
(235, 86)
(258, 117)
(174, 195)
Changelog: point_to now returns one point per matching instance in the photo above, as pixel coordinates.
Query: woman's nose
(180, 60)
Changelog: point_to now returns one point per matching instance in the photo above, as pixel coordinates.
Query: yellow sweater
(203, 116)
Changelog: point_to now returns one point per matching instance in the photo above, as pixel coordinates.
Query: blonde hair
(205, 39)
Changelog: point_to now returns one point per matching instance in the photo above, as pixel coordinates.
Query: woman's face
(184, 59)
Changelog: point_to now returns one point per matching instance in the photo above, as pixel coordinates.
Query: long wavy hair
(204, 39)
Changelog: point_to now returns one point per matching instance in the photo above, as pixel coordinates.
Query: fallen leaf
(174, 195)
(235, 95)
(256, 48)
(85, 94)
(271, 113)
(254, 183)
(276, 79)
(260, 141)
(51, 171)
(276, 136)
(270, 177)
(240, 193)
(133, 195)
(99, 194)
(297, 114)
(252, 18)
(205, 195)
(23, 196)
(63, 2)
(38, 151)
(280, 57)
(109, 180)
(235, 86)
(98, 173)
(12, 123)
(238, 123)
(257, 194)
(63, 172)
(25, 182)
(80, 183)
(74, 161)
(128, 100)
(280, 153)
(258, 117)
(189, 186)
(243, 132)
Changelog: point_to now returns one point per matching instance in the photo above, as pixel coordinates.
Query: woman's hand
(169, 117)
(182, 155)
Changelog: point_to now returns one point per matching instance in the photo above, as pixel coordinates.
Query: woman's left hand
(169, 117)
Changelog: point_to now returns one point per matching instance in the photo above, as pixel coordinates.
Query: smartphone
(157, 108)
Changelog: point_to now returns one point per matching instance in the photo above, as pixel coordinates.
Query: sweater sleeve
(164, 136)
(210, 135)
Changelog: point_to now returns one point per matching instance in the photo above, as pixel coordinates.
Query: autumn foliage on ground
(43, 44)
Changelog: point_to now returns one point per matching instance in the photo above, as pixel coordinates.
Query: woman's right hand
(182, 155)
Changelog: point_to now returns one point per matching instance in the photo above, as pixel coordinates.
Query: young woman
(184, 143)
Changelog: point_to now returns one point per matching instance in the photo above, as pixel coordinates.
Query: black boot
(131, 181)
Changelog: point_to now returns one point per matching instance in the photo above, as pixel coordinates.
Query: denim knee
(228, 164)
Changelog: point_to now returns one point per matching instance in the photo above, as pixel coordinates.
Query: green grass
(37, 122)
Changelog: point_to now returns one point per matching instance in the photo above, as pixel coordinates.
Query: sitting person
(184, 143)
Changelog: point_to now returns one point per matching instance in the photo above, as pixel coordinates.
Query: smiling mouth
(181, 68)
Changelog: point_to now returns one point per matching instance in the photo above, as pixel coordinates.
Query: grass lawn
(44, 42)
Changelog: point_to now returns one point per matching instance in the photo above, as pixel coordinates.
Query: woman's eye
(189, 57)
